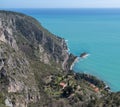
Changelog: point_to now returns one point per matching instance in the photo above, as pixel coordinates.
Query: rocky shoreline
(84, 75)
(74, 62)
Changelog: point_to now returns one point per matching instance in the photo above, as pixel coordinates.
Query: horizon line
(65, 8)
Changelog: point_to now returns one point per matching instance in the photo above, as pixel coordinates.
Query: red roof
(62, 84)
(96, 89)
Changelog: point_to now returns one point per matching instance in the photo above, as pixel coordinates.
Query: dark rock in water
(84, 54)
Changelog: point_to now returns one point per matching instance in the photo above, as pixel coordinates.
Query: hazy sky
(59, 3)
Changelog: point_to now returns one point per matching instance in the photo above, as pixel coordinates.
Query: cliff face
(28, 34)
(34, 67)
(24, 41)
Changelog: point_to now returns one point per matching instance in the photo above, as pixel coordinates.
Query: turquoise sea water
(96, 31)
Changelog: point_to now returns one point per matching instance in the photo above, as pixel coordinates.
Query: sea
(94, 31)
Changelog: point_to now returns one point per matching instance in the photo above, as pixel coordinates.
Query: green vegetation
(2, 99)
(33, 74)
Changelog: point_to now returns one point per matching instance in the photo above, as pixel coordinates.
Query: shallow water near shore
(95, 31)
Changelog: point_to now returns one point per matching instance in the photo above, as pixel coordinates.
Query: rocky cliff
(34, 67)
(29, 34)
(23, 39)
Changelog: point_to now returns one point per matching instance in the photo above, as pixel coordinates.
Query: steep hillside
(28, 52)
(34, 69)
(29, 34)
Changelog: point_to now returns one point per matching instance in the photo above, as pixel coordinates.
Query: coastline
(74, 62)
(89, 77)
(77, 59)
(69, 34)
(50, 85)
